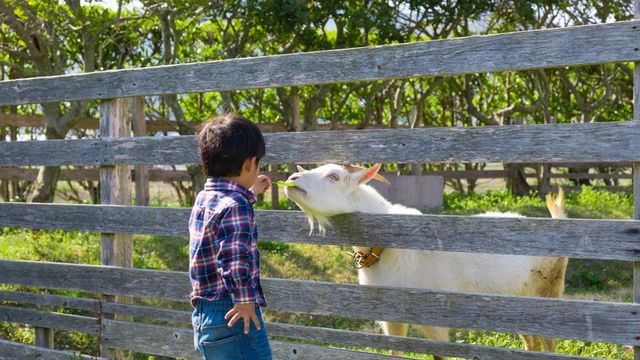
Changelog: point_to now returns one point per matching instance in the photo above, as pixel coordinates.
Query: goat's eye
(333, 177)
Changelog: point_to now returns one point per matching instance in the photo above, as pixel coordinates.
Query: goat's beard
(313, 218)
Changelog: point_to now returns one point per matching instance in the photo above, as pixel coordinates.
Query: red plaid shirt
(223, 252)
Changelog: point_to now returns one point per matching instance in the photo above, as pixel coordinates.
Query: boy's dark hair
(226, 142)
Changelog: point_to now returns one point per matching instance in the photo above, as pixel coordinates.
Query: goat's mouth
(297, 188)
(294, 191)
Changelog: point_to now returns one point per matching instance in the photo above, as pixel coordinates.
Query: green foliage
(56, 246)
(600, 204)
(586, 203)
(499, 200)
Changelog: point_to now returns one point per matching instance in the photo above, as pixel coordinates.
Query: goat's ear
(367, 174)
(300, 168)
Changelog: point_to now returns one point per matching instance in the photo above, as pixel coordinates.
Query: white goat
(334, 189)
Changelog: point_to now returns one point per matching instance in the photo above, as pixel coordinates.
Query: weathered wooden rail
(580, 45)
(116, 321)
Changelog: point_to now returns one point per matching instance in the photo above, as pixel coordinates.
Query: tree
(36, 38)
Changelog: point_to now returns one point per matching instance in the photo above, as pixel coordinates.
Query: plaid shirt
(223, 252)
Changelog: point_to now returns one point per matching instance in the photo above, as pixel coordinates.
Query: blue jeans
(216, 341)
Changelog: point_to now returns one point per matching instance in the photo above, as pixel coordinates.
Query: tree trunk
(290, 108)
(517, 181)
(228, 105)
(44, 189)
(311, 106)
(544, 181)
(579, 169)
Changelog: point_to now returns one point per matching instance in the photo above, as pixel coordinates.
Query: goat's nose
(294, 176)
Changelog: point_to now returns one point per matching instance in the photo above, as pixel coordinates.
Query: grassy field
(597, 280)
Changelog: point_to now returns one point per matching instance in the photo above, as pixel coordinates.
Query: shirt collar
(221, 184)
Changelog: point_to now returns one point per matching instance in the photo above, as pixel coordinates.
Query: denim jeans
(216, 341)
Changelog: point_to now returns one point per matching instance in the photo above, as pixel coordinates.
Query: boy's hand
(247, 312)
(262, 183)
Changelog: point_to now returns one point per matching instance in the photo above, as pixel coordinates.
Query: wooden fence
(595, 239)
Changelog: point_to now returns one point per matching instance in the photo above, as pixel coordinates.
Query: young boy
(224, 264)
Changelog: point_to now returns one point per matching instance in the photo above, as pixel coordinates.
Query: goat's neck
(367, 200)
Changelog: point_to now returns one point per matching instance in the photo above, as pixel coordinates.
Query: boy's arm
(235, 254)
(262, 183)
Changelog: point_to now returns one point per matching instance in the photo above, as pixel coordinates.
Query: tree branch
(473, 110)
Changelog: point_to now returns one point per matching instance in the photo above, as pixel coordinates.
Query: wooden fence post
(4, 185)
(141, 171)
(291, 168)
(275, 195)
(115, 188)
(636, 173)
(43, 337)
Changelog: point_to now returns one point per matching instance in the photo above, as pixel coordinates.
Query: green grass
(587, 203)
(586, 279)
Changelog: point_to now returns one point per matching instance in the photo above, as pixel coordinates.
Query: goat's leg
(396, 329)
(551, 286)
(549, 344)
(435, 333)
(532, 343)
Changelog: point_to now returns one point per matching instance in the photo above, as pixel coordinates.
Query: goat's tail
(556, 205)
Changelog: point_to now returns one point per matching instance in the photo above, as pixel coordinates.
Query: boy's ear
(250, 164)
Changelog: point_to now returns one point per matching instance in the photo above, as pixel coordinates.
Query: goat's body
(332, 189)
(463, 272)
(457, 271)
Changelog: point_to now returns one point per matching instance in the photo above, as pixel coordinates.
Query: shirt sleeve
(235, 254)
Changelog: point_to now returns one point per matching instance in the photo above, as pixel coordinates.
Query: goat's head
(325, 191)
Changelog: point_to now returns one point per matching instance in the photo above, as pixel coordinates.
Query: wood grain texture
(177, 175)
(38, 121)
(81, 324)
(379, 341)
(610, 322)
(93, 175)
(168, 341)
(142, 171)
(102, 151)
(577, 238)
(115, 188)
(587, 320)
(283, 350)
(115, 181)
(43, 337)
(343, 337)
(11, 351)
(578, 45)
(149, 339)
(592, 142)
(97, 306)
(171, 341)
(636, 172)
